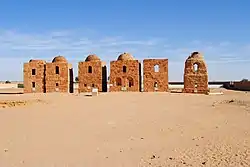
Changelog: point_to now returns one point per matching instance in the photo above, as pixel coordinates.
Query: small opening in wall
(195, 88)
(33, 71)
(57, 84)
(156, 68)
(155, 85)
(93, 85)
(130, 82)
(124, 69)
(85, 85)
(118, 81)
(33, 84)
(196, 67)
(57, 70)
(90, 69)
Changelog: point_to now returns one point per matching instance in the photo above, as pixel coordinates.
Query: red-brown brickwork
(155, 75)
(125, 74)
(59, 76)
(195, 74)
(34, 78)
(92, 73)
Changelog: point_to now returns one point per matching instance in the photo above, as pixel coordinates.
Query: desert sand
(125, 129)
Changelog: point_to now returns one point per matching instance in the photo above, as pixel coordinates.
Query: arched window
(196, 67)
(90, 69)
(57, 70)
(118, 82)
(124, 69)
(156, 68)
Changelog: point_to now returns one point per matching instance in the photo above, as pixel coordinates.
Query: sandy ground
(125, 129)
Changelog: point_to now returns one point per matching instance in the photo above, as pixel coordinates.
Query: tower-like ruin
(195, 74)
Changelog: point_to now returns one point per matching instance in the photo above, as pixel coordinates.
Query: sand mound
(15, 103)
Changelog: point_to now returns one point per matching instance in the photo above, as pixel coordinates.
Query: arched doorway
(130, 82)
(156, 86)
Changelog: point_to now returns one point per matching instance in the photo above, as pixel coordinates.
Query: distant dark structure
(243, 85)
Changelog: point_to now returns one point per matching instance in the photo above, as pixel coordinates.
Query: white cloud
(18, 47)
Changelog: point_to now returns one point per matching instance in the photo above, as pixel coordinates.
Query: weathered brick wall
(195, 81)
(133, 73)
(38, 78)
(150, 77)
(87, 80)
(62, 79)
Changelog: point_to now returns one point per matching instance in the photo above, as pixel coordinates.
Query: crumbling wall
(154, 80)
(195, 74)
(130, 80)
(34, 82)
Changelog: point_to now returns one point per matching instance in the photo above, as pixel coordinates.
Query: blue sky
(171, 29)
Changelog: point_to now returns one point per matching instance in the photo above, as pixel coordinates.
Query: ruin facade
(125, 74)
(59, 76)
(92, 73)
(34, 76)
(195, 74)
(155, 75)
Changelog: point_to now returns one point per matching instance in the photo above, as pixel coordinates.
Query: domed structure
(125, 56)
(125, 74)
(59, 59)
(92, 74)
(37, 61)
(92, 58)
(196, 55)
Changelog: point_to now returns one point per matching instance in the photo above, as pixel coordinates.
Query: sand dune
(126, 129)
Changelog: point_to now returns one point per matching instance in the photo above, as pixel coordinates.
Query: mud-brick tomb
(125, 75)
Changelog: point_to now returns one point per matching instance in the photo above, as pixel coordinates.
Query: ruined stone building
(42, 77)
(195, 74)
(92, 73)
(155, 75)
(34, 76)
(59, 76)
(125, 74)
